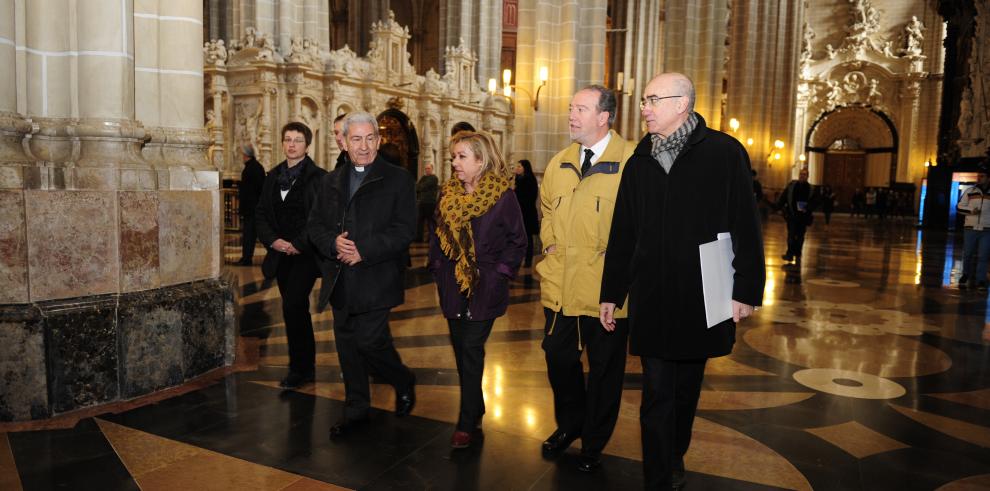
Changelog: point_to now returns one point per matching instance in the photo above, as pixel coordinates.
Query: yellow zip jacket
(577, 217)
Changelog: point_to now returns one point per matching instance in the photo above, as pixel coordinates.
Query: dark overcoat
(660, 220)
(381, 220)
(269, 227)
(528, 191)
(249, 190)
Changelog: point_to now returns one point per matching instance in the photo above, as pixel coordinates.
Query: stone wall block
(150, 342)
(204, 331)
(74, 243)
(186, 236)
(139, 258)
(23, 386)
(81, 351)
(13, 248)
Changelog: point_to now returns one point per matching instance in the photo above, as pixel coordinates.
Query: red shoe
(461, 439)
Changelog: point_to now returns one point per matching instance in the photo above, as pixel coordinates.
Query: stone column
(285, 31)
(109, 137)
(110, 285)
(694, 44)
(323, 32)
(573, 51)
(907, 130)
(13, 127)
(640, 63)
(762, 78)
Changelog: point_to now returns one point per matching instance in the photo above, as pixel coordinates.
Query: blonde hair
(483, 146)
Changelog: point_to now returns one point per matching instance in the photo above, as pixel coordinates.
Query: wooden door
(844, 172)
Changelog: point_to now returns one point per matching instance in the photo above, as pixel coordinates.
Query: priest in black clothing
(361, 226)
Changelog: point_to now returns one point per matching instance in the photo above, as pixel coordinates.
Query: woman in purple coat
(475, 249)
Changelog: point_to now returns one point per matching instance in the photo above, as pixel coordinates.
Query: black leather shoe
(245, 262)
(589, 461)
(405, 402)
(295, 380)
(346, 426)
(558, 442)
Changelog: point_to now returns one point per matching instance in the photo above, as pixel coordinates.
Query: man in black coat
(248, 192)
(796, 204)
(684, 184)
(362, 224)
(338, 136)
(286, 198)
(427, 188)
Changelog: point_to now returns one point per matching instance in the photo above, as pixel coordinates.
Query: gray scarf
(665, 150)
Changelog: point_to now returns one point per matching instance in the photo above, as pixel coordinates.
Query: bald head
(668, 100)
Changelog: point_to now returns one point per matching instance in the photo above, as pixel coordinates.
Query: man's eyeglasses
(653, 100)
(297, 141)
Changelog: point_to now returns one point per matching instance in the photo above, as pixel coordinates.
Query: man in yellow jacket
(577, 197)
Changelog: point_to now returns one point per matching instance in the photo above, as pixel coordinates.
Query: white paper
(717, 278)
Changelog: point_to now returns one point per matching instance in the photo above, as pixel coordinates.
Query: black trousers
(249, 236)
(671, 389)
(295, 277)
(468, 338)
(423, 215)
(530, 240)
(364, 342)
(796, 227)
(591, 410)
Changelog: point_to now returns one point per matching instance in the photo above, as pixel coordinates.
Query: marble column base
(63, 355)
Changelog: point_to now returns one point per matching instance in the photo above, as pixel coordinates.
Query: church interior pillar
(114, 285)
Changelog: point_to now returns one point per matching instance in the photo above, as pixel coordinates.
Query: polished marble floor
(867, 368)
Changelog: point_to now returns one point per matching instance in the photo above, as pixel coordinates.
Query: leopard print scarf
(455, 211)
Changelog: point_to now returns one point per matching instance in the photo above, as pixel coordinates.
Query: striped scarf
(665, 150)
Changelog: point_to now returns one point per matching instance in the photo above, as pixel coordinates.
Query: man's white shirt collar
(598, 148)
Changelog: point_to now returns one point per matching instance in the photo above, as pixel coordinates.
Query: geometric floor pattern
(867, 368)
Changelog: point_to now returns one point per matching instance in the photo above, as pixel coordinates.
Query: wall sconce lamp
(734, 124)
(774, 154)
(749, 142)
(624, 85)
(507, 86)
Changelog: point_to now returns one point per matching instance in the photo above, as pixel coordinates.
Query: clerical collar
(362, 168)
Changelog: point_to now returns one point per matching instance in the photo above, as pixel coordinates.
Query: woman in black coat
(527, 191)
(286, 197)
